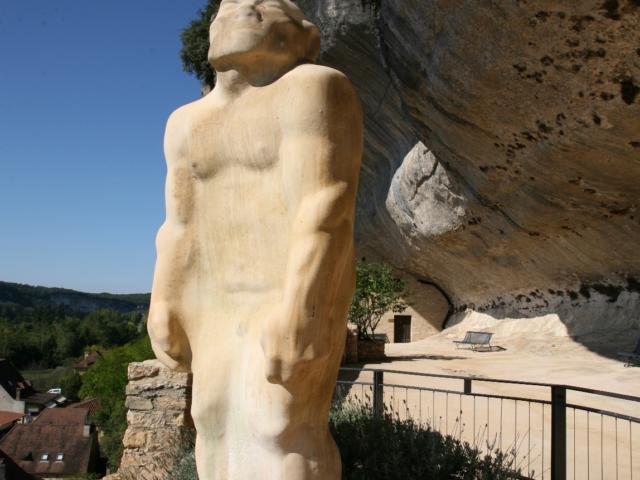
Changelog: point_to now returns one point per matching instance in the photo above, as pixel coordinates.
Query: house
(59, 443)
(12, 388)
(18, 395)
(8, 420)
(426, 313)
(9, 470)
(89, 359)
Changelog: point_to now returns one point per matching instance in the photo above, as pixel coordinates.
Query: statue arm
(321, 156)
(168, 339)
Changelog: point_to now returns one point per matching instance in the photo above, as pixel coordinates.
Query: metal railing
(551, 431)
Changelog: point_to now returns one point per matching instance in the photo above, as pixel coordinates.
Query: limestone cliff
(502, 157)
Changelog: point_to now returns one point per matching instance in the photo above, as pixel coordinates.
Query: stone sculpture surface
(255, 266)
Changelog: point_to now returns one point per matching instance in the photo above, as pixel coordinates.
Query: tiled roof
(55, 431)
(89, 359)
(91, 404)
(62, 416)
(7, 418)
(12, 470)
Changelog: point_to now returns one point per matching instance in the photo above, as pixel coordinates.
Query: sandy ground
(598, 446)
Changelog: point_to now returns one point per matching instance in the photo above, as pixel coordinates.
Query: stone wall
(159, 425)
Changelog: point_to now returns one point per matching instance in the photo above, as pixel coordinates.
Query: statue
(255, 266)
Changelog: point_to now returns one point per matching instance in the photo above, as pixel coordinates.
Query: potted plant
(378, 291)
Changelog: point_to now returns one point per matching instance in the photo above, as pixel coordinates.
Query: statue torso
(240, 226)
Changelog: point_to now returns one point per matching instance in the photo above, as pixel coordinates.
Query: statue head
(261, 32)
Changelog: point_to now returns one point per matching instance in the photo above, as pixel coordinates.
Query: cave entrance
(402, 329)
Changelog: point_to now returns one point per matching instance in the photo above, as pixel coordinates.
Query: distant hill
(27, 296)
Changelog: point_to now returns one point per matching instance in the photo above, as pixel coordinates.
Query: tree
(71, 382)
(195, 45)
(107, 381)
(5, 337)
(378, 291)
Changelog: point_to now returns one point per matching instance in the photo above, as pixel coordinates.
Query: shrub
(71, 383)
(186, 469)
(387, 448)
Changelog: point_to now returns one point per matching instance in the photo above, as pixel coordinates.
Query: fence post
(467, 386)
(378, 393)
(558, 433)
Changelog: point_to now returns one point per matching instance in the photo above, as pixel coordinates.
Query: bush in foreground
(186, 469)
(387, 448)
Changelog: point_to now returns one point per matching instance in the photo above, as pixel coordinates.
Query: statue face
(244, 30)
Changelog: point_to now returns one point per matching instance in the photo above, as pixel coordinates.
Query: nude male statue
(255, 266)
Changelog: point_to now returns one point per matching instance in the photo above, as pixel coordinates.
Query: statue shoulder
(308, 75)
(181, 116)
(177, 132)
(313, 89)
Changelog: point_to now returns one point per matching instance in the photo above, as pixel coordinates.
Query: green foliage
(15, 298)
(107, 380)
(378, 291)
(195, 45)
(70, 384)
(385, 448)
(186, 469)
(44, 327)
(46, 337)
(43, 380)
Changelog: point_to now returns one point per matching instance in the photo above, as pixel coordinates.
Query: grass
(44, 380)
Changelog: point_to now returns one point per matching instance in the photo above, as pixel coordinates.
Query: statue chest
(245, 139)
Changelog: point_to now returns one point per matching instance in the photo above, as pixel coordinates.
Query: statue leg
(248, 428)
(289, 428)
(209, 412)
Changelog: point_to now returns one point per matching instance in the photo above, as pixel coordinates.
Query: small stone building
(428, 310)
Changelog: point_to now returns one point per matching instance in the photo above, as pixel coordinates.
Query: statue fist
(277, 346)
(289, 350)
(168, 340)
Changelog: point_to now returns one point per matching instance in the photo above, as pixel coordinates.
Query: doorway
(402, 329)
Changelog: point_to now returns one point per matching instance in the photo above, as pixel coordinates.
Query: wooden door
(402, 329)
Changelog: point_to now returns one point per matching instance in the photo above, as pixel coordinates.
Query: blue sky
(85, 90)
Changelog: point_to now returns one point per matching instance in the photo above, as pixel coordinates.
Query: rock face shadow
(602, 317)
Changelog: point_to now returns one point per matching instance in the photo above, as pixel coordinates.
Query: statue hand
(168, 340)
(276, 346)
(289, 352)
